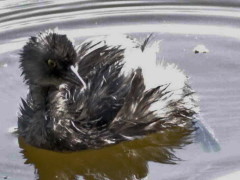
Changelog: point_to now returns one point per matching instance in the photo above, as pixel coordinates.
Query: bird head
(49, 59)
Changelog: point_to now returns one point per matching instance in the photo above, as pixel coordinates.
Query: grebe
(106, 90)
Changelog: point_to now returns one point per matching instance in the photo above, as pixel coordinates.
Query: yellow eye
(52, 63)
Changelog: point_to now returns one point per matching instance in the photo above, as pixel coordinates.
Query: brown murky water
(181, 26)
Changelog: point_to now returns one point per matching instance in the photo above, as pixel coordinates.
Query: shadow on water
(127, 160)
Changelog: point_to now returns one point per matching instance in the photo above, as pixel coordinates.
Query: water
(181, 26)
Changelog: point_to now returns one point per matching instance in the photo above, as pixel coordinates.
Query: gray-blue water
(181, 25)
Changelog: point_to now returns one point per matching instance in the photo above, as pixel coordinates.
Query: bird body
(105, 91)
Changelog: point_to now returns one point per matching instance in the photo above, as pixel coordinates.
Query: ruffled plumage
(128, 95)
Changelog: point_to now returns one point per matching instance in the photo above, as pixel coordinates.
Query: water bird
(104, 91)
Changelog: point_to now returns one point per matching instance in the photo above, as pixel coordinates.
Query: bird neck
(39, 96)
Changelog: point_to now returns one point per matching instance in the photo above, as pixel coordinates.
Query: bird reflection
(127, 160)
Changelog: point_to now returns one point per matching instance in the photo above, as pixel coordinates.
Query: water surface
(181, 26)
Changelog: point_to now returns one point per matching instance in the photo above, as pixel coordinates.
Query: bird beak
(74, 76)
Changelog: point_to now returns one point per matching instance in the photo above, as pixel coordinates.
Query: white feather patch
(155, 72)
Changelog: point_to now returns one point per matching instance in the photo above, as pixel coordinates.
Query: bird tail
(205, 136)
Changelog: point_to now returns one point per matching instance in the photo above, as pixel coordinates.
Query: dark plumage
(108, 101)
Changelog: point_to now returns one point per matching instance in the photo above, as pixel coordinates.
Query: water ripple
(52, 13)
(181, 25)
